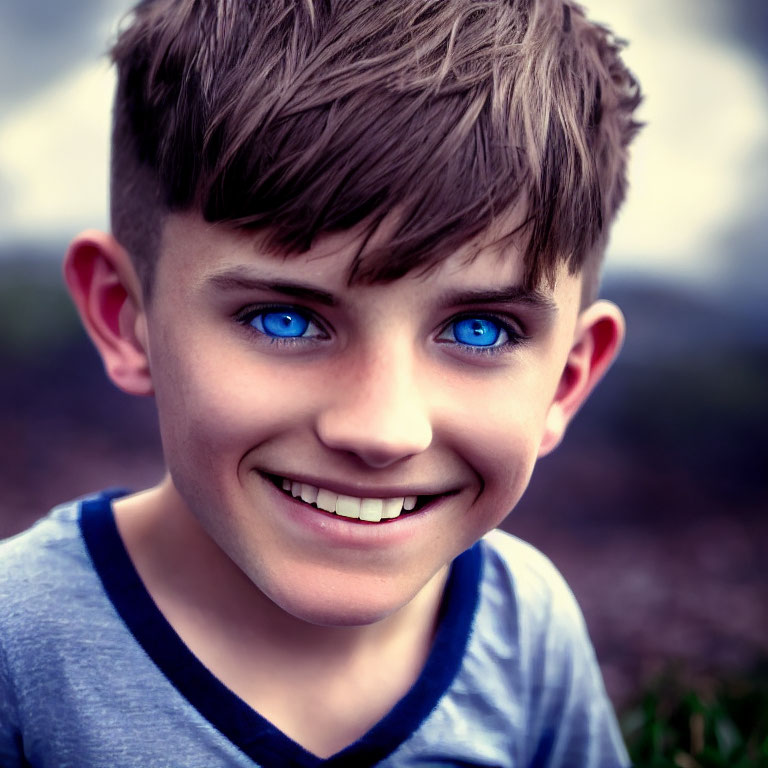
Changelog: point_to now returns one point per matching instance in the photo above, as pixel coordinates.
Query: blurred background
(654, 507)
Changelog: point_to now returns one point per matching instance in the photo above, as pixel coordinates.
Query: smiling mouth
(365, 509)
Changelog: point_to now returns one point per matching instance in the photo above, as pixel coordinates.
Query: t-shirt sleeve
(570, 719)
(11, 752)
(571, 715)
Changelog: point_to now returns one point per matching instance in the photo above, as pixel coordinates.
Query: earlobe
(597, 340)
(105, 288)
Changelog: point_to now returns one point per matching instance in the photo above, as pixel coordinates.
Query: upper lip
(360, 490)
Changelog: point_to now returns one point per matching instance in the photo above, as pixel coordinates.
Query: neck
(197, 586)
(323, 686)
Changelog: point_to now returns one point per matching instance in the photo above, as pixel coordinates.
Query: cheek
(497, 432)
(505, 461)
(505, 471)
(218, 406)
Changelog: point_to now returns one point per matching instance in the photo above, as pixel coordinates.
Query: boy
(354, 257)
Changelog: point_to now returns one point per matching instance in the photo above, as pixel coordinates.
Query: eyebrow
(513, 294)
(238, 280)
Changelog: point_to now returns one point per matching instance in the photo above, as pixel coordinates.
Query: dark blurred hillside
(65, 429)
(679, 425)
(654, 507)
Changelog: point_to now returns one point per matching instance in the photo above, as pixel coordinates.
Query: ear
(597, 340)
(106, 290)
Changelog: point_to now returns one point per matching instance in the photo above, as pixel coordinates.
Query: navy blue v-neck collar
(243, 726)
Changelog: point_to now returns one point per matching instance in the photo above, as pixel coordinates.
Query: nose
(376, 411)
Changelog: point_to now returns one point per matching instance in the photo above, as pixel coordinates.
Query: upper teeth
(369, 509)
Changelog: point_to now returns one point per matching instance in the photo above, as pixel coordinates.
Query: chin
(330, 616)
(334, 605)
(336, 610)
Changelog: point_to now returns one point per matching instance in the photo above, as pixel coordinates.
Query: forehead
(194, 254)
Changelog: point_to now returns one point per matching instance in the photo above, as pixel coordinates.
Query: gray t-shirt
(91, 674)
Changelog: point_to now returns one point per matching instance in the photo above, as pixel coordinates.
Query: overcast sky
(700, 169)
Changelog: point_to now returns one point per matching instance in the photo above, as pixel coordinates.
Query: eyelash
(246, 316)
(514, 336)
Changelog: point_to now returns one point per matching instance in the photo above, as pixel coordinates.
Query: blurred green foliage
(705, 723)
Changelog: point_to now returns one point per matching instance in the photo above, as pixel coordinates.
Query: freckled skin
(317, 622)
(385, 396)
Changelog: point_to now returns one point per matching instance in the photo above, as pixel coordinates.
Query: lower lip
(351, 532)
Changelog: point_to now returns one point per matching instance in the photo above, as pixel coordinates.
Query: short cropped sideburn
(300, 117)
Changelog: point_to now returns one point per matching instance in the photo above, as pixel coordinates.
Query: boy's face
(435, 386)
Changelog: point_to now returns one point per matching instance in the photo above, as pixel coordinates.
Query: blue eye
(482, 334)
(282, 324)
(478, 332)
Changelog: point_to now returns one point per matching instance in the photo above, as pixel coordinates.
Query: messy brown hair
(300, 117)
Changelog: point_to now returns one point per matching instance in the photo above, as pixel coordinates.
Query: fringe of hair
(299, 117)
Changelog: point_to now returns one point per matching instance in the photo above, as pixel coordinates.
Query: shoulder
(520, 575)
(518, 558)
(526, 603)
(33, 559)
(529, 690)
(530, 629)
(41, 572)
(46, 575)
